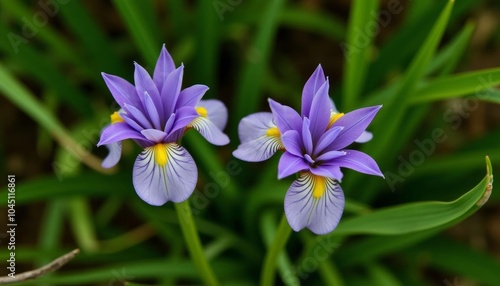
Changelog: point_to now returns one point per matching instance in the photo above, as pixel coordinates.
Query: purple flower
(314, 145)
(156, 113)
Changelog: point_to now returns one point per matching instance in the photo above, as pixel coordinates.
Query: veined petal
(285, 117)
(320, 112)
(208, 130)
(164, 66)
(164, 172)
(312, 86)
(118, 132)
(258, 149)
(144, 82)
(292, 142)
(355, 123)
(216, 112)
(314, 202)
(123, 91)
(255, 126)
(171, 90)
(364, 137)
(190, 96)
(115, 152)
(290, 164)
(358, 161)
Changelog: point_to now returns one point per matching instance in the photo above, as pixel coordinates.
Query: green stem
(193, 243)
(280, 240)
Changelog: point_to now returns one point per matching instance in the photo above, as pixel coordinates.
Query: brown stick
(51, 267)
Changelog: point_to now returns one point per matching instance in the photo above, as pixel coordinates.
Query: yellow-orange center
(319, 186)
(202, 111)
(160, 154)
(273, 132)
(334, 117)
(115, 118)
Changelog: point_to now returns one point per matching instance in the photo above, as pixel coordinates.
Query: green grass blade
(478, 82)
(357, 49)
(91, 38)
(314, 22)
(249, 86)
(142, 24)
(24, 100)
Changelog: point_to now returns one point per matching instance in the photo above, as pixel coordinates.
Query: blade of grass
(363, 13)
(249, 87)
(24, 100)
(142, 24)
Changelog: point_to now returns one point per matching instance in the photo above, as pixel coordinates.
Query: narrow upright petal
(171, 90)
(216, 112)
(164, 66)
(164, 172)
(191, 96)
(122, 91)
(312, 86)
(290, 164)
(320, 112)
(144, 83)
(115, 152)
(354, 123)
(285, 117)
(314, 202)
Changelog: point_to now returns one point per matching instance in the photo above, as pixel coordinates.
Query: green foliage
(416, 65)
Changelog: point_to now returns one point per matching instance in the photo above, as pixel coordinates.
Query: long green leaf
(418, 216)
(356, 49)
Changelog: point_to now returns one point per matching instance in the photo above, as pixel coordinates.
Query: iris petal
(291, 141)
(358, 161)
(304, 208)
(191, 96)
(144, 82)
(290, 164)
(285, 117)
(123, 91)
(164, 172)
(255, 125)
(364, 137)
(171, 90)
(164, 66)
(118, 132)
(320, 112)
(217, 112)
(259, 149)
(208, 130)
(312, 86)
(115, 152)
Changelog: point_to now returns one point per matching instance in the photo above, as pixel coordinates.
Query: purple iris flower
(156, 113)
(314, 145)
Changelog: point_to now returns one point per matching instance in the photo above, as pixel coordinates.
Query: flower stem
(193, 243)
(280, 240)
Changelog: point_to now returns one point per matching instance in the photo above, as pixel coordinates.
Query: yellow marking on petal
(115, 118)
(273, 132)
(319, 186)
(334, 117)
(160, 154)
(202, 111)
